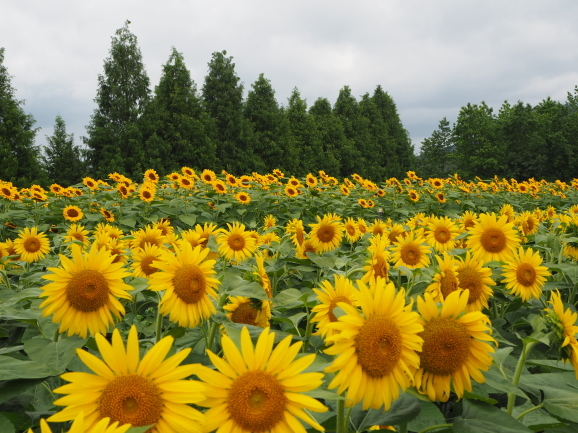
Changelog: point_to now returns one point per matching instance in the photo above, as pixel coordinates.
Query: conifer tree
(19, 157)
(62, 159)
(333, 140)
(175, 125)
(434, 157)
(114, 136)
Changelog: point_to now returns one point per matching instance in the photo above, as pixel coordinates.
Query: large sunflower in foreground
(258, 388)
(78, 426)
(411, 252)
(329, 295)
(142, 259)
(454, 346)
(493, 238)
(326, 233)
(524, 275)
(129, 390)
(236, 244)
(83, 292)
(31, 245)
(375, 348)
(188, 282)
(564, 322)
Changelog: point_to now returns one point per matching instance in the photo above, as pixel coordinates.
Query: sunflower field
(204, 302)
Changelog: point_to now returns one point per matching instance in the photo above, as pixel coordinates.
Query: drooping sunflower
(31, 245)
(262, 276)
(563, 321)
(306, 247)
(473, 276)
(189, 285)
(524, 275)
(143, 258)
(132, 391)
(446, 280)
(326, 233)
(258, 388)
(83, 293)
(248, 311)
(375, 348)
(269, 222)
(493, 238)
(108, 215)
(329, 295)
(297, 231)
(454, 346)
(411, 251)
(467, 220)
(352, 232)
(508, 209)
(235, 244)
(377, 263)
(76, 232)
(441, 234)
(413, 195)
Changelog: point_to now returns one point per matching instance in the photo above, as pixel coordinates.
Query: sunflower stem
(159, 325)
(435, 427)
(402, 427)
(341, 421)
(519, 367)
(214, 325)
(526, 412)
(308, 330)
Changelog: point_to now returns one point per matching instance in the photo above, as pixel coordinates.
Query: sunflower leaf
(478, 417)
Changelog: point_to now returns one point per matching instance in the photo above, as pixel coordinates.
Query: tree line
(134, 129)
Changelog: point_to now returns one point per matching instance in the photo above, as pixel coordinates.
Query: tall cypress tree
(114, 137)
(333, 140)
(174, 124)
(62, 158)
(434, 157)
(223, 99)
(19, 157)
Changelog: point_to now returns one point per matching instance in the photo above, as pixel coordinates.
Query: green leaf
(478, 417)
(324, 262)
(498, 382)
(190, 220)
(288, 299)
(561, 403)
(56, 355)
(250, 290)
(12, 388)
(429, 415)
(11, 368)
(5, 425)
(536, 420)
(128, 221)
(402, 410)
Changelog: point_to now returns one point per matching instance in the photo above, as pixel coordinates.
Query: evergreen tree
(270, 127)
(175, 125)
(223, 100)
(434, 157)
(62, 159)
(19, 157)
(399, 135)
(332, 136)
(114, 137)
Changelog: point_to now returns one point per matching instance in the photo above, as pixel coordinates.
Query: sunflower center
(493, 240)
(145, 265)
(31, 245)
(326, 233)
(378, 345)
(446, 346)
(72, 213)
(526, 274)
(257, 401)
(448, 282)
(410, 254)
(245, 313)
(190, 283)
(236, 242)
(333, 304)
(131, 399)
(380, 267)
(470, 279)
(149, 239)
(350, 230)
(442, 235)
(87, 290)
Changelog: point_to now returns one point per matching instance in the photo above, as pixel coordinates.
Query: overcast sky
(432, 57)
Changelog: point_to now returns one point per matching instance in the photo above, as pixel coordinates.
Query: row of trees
(133, 129)
(520, 141)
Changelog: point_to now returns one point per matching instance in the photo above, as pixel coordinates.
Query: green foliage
(114, 136)
(62, 159)
(434, 157)
(330, 131)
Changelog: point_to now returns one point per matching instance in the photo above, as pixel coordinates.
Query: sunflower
(151, 176)
(278, 173)
(352, 232)
(108, 215)
(474, 277)
(113, 231)
(291, 191)
(76, 232)
(123, 190)
(394, 232)
(186, 182)
(329, 295)
(262, 276)
(205, 231)
(377, 227)
(72, 213)
(258, 388)
(563, 321)
(297, 230)
(235, 244)
(83, 292)
(78, 426)
(306, 247)
(362, 226)
(129, 390)
(294, 182)
(344, 190)
(377, 264)
(174, 176)
(507, 209)
(528, 223)
(269, 222)
(440, 197)
(187, 171)
(442, 233)
(208, 176)
(31, 245)
(413, 195)
(523, 274)
(248, 311)
(327, 233)
(90, 183)
(411, 252)
(149, 235)
(188, 282)
(219, 186)
(375, 348)
(311, 181)
(467, 220)
(142, 260)
(454, 347)
(436, 183)
(362, 202)
(446, 280)
(493, 238)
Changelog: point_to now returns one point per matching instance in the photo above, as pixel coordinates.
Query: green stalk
(159, 325)
(526, 412)
(519, 367)
(214, 325)
(402, 427)
(341, 421)
(308, 330)
(435, 427)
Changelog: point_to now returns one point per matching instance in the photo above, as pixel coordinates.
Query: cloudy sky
(433, 57)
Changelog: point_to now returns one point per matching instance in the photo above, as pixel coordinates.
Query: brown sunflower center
(350, 229)
(378, 345)
(31, 245)
(472, 280)
(446, 346)
(448, 282)
(442, 235)
(87, 290)
(236, 242)
(379, 265)
(326, 233)
(72, 213)
(333, 304)
(526, 274)
(145, 265)
(493, 240)
(257, 401)
(131, 399)
(190, 283)
(149, 239)
(245, 313)
(410, 254)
